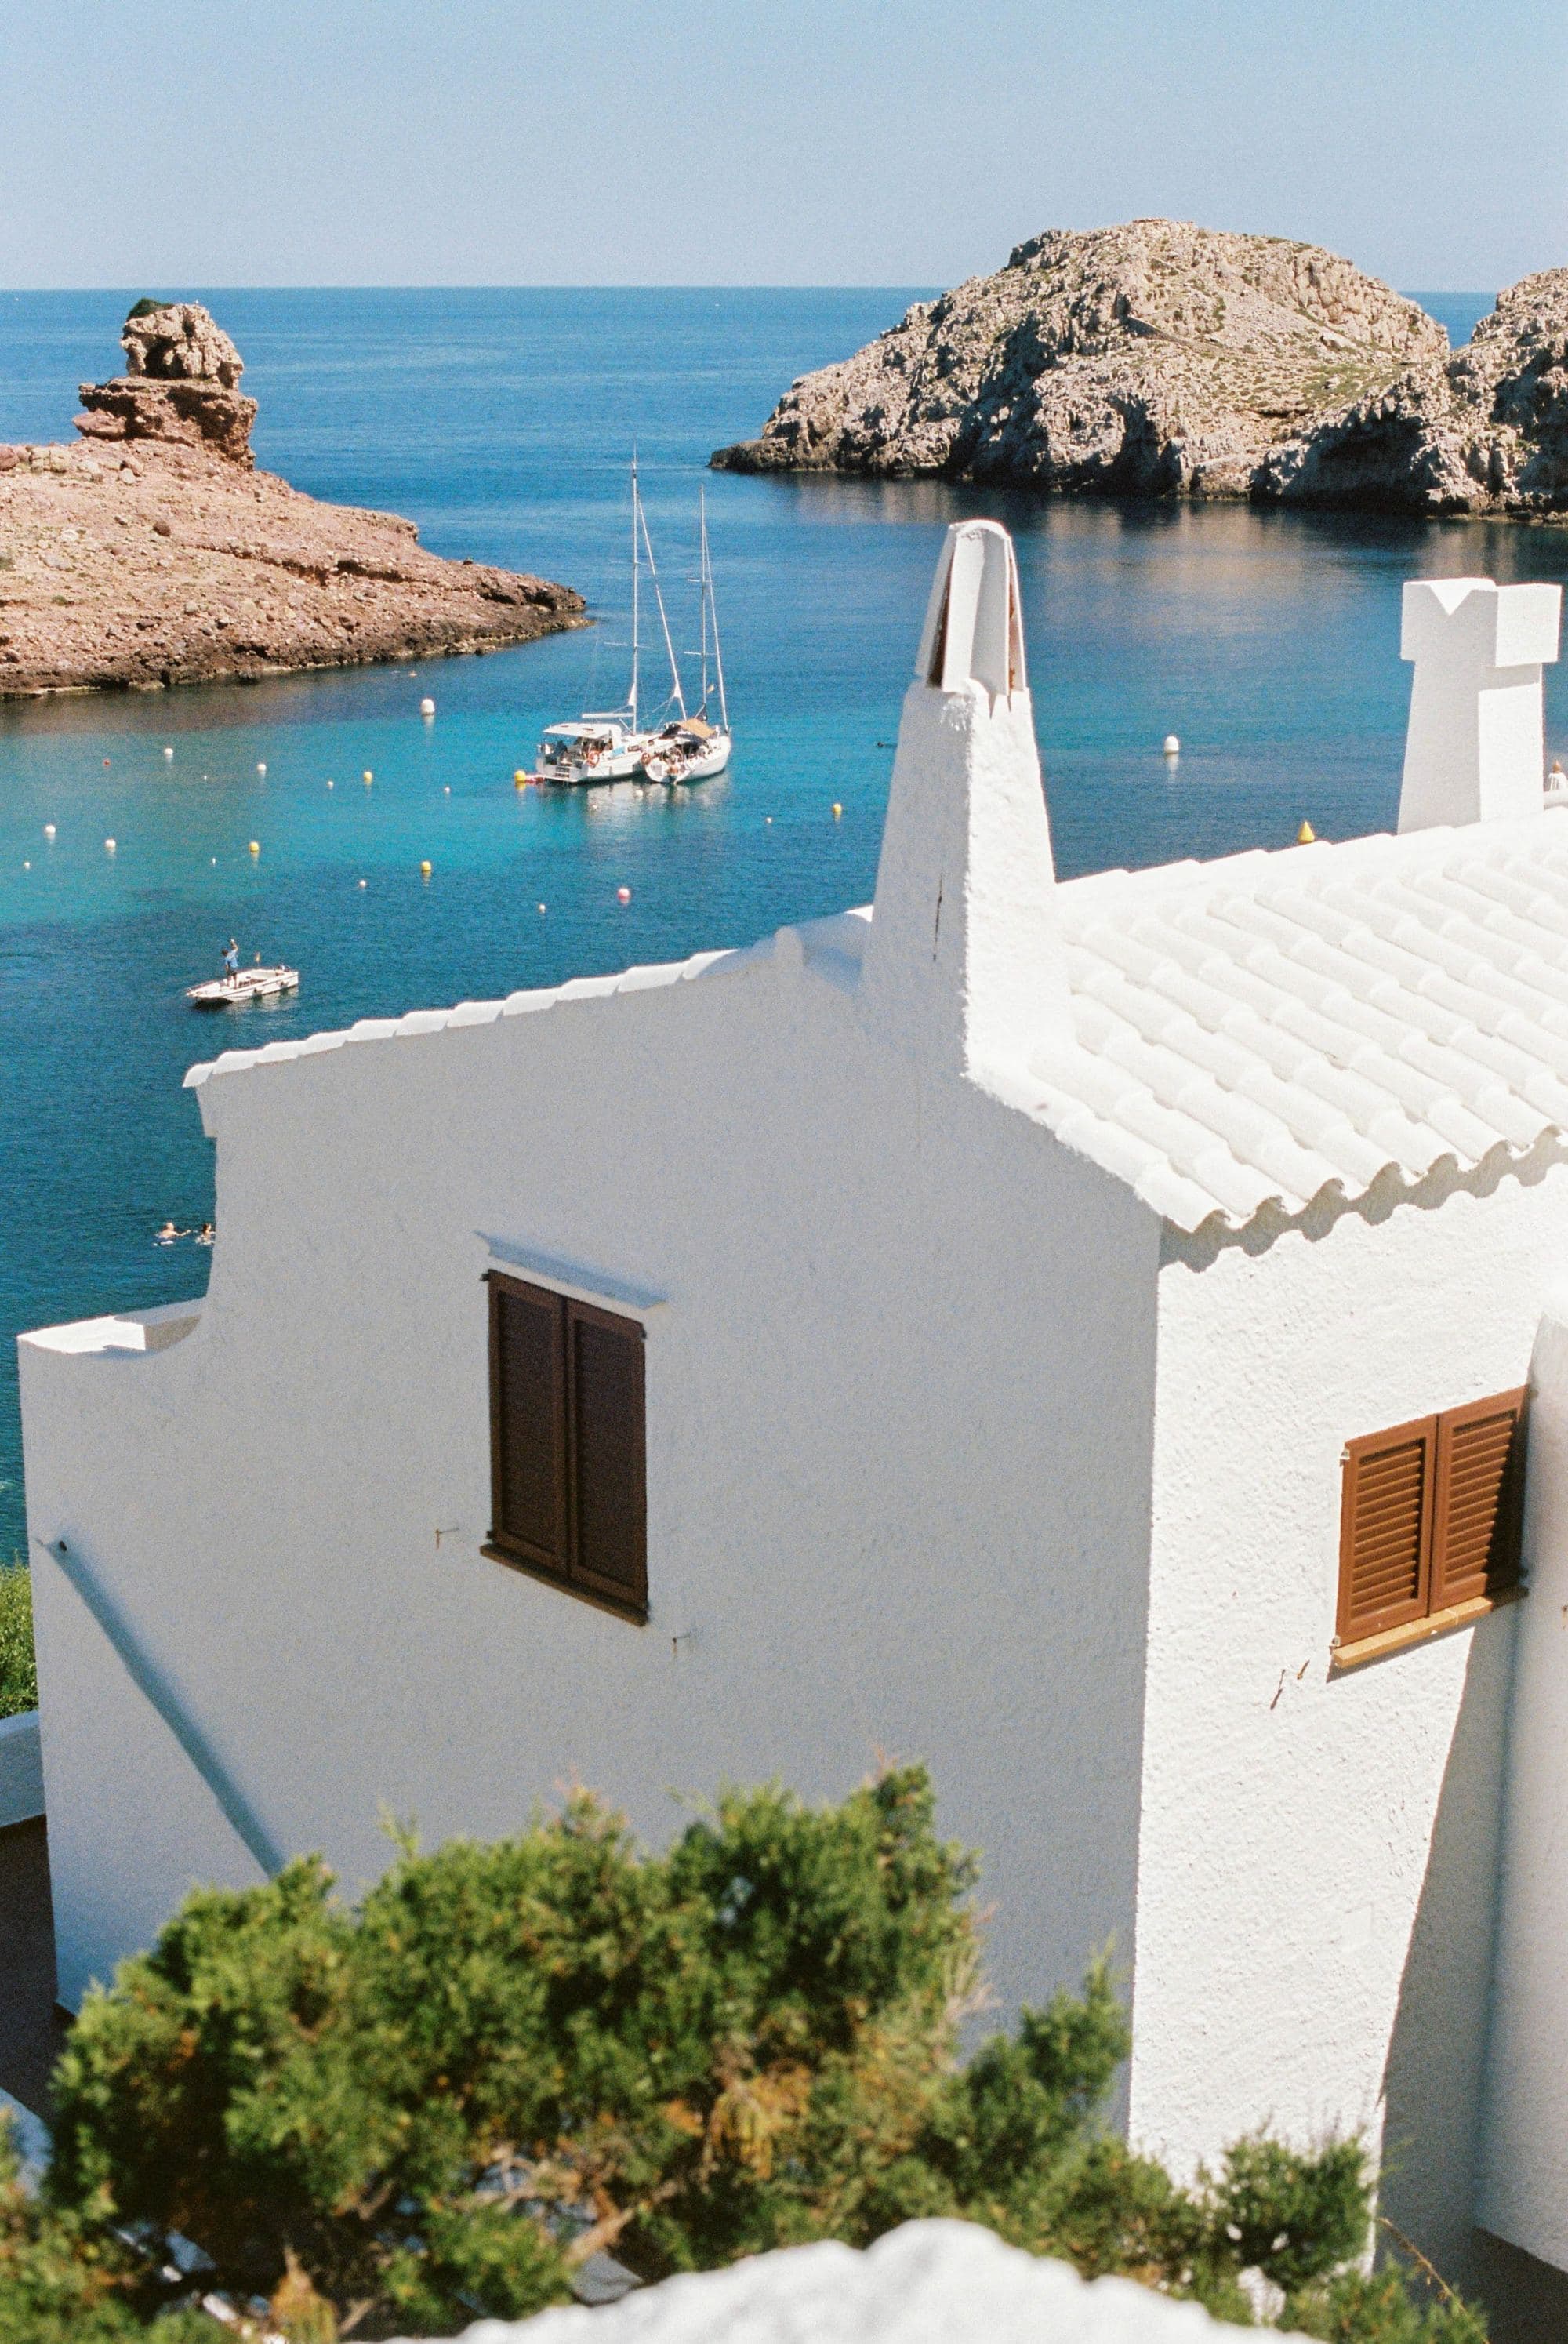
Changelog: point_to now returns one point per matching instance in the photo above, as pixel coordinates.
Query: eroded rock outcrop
(180, 385)
(150, 552)
(1159, 358)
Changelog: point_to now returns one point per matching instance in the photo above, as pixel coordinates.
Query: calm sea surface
(501, 421)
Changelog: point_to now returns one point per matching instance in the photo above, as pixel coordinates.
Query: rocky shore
(1160, 359)
(151, 551)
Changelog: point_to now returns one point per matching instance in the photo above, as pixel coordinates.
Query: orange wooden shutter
(1385, 1529)
(1478, 1513)
(609, 1465)
(528, 1423)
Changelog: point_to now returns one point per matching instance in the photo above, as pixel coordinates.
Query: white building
(960, 1330)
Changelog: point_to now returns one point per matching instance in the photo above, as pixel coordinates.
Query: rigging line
(675, 693)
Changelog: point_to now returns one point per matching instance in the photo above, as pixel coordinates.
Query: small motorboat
(256, 984)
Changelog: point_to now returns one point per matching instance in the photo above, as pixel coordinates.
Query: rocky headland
(1160, 359)
(151, 551)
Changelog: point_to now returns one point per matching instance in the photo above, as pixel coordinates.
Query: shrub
(19, 1667)
(436, 2104)
(145, 307)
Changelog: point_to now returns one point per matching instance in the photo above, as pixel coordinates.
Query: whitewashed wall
(1525, 2163)
(1317, 1879)
(899, 1401)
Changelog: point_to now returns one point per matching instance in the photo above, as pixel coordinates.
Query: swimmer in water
(168, 1234)
(205, 1234)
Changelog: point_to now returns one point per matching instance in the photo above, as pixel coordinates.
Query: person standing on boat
(231, 959)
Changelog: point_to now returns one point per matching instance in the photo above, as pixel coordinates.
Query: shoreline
(148, 565)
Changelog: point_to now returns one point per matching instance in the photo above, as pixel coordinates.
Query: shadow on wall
(1437, 2052)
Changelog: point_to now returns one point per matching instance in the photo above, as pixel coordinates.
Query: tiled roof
(1269, 1029)
(1261, 1031)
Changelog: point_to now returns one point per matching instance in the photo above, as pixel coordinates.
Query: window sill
(636, 1613)
(1345, 1657)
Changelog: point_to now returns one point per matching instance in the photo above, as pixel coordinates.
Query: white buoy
(48, 829)
(426, 708)
(446, 792)
(261, 769)
(1172, 747)
(169, 753)
(362, 883)
(329, 785)
(108, 846)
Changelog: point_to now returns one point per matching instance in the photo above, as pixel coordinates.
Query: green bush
(18, 1668)
(144, 307)
(434, 2105)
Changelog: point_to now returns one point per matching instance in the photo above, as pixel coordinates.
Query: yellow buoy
(838, 810)
(1306, 835)
(369, 776)
(255, 846)
(519, 777)
(425, 869)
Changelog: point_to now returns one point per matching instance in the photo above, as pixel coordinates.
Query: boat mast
(636, 509)
(710, 616)
(676, 693)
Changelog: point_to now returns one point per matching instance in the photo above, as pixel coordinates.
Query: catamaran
(611, 745)
(694, 748)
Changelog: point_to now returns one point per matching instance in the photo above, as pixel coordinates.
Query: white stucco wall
(1524, 2162)
(1317, 1876)
(899, 1393)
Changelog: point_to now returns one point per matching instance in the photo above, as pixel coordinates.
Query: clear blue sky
(888, 141)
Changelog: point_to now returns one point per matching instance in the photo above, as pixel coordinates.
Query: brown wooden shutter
(1385, 1529)
(609, 1465)
(528, 1423)
(1478, 1514)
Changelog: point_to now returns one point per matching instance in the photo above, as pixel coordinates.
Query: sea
(503, 423)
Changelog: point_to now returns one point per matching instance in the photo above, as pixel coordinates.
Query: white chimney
(1476, 750)
(964, 962)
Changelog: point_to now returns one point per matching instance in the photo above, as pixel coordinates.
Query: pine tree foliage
(397, 2117)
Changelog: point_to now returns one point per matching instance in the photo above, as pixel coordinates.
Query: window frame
(1435, 1611)
(568, 1573)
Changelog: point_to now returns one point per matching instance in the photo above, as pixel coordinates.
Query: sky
(815, 141)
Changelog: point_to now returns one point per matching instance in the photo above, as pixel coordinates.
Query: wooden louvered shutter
(608, 1459)
(1478, 1513)
(1385, 1530)
(527, 1423)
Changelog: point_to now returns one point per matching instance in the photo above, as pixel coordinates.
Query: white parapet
(964, 963)
(1475, 748)
(21, 1769)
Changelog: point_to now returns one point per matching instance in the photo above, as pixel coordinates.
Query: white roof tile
(1265, 1030)
(1275, 1027)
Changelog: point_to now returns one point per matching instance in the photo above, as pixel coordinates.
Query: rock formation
(180, 384)
(152, 552)
(1162, 359)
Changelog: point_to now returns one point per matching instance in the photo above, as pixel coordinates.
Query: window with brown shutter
(567, 1462)
(1430, 1522)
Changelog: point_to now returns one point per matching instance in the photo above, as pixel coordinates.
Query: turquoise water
(501, 421)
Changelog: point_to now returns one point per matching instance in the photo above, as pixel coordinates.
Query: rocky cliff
(152, 552)
(1162, 360)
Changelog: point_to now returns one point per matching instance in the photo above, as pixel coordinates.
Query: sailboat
(694, 748)
(611, 745)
